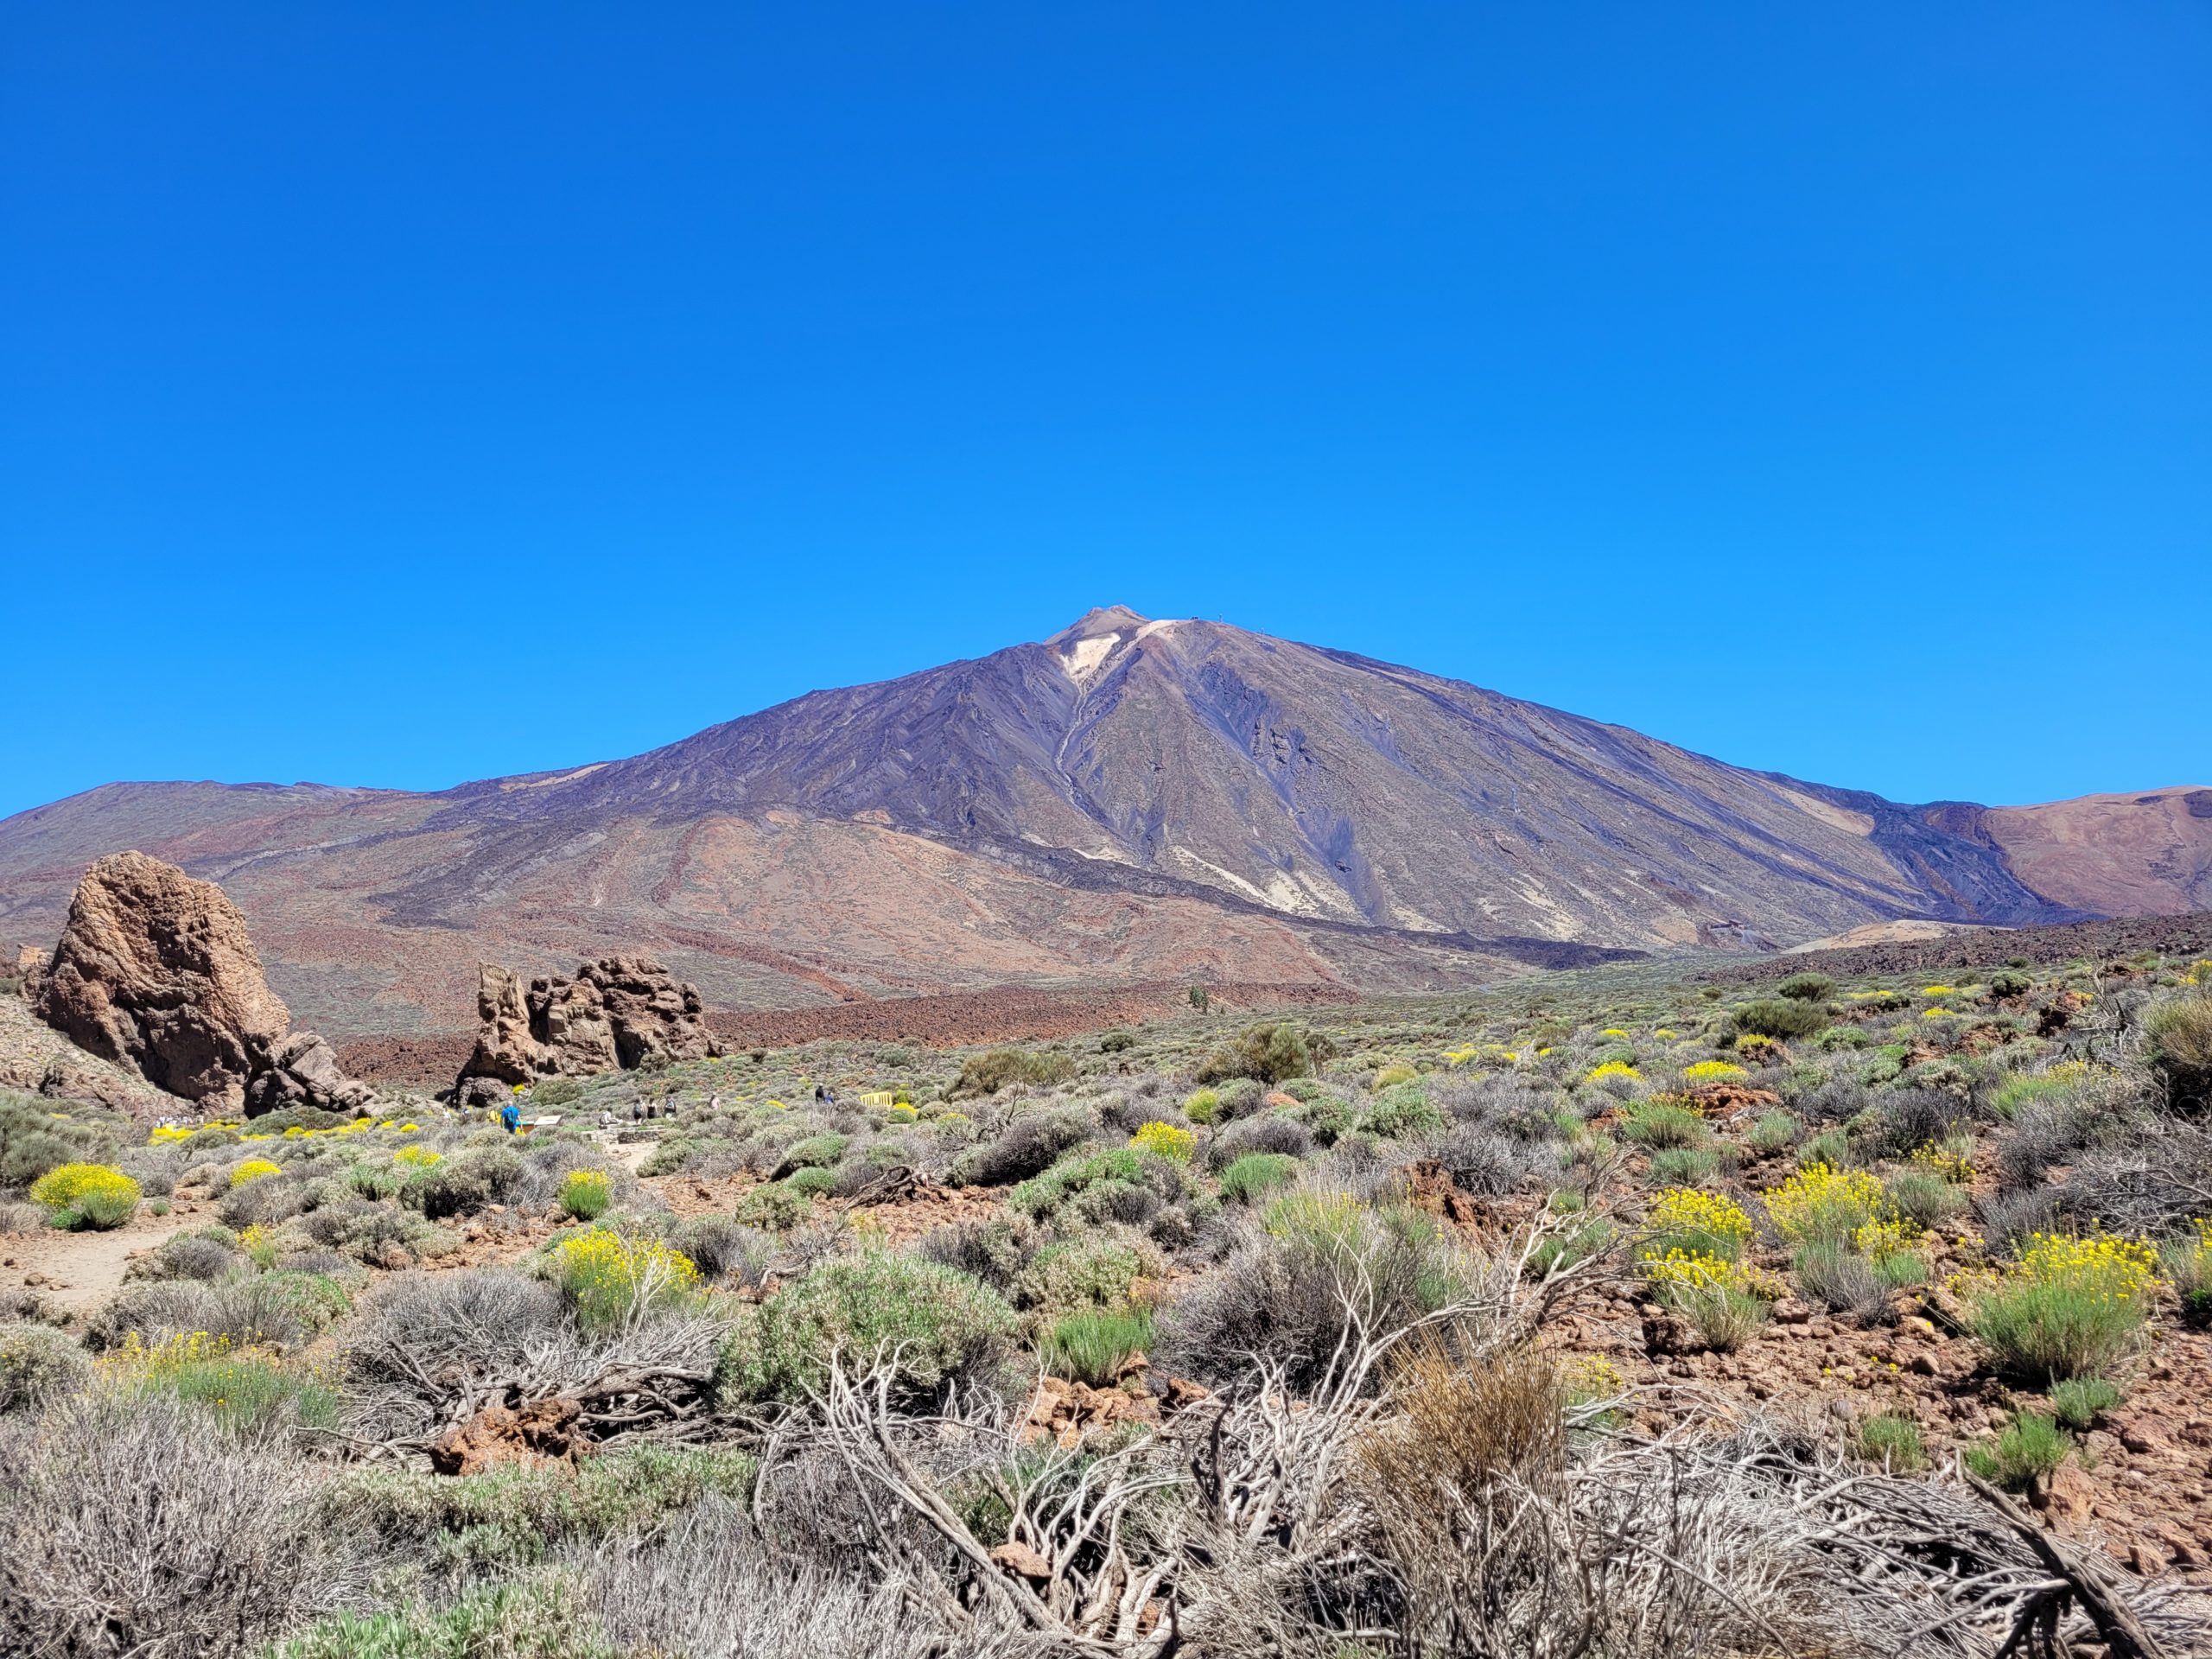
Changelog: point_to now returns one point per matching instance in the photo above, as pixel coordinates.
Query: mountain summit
(1128, 798)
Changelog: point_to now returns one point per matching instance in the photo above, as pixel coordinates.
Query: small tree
(1199, 998)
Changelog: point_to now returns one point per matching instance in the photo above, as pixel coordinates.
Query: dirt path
(79, 1271)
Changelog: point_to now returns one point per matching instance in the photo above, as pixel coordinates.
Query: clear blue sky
(400, 394)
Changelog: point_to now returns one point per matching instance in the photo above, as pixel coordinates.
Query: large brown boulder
(155, 972)
(617, 1013)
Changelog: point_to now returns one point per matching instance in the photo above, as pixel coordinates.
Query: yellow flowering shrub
(253, 1169)
(1712, 1072)
(1614, 1031)
(2066, 1307)
(1165, 1140)
(422, 1157)
(87, 1195)
(1690, 1221)
(1826, 1204)
(1390, 1075)
(1612, 1068)
(586, 1193)
(1701, 1270)
(244, 1387)
(167, 1133)
(260, 1245)
(1586, 1377)
(610, 1278)
(1953, 1166)
(1937, 990)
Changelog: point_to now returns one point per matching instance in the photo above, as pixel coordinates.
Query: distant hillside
(1129, 800)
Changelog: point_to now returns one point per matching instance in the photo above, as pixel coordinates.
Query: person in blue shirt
(510, 1115)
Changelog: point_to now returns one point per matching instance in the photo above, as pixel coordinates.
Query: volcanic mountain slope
(1129, 799)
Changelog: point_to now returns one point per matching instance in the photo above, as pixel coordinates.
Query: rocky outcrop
(155, 974)
(618, 1012)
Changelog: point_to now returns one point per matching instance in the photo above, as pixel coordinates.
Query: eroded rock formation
(155, 972)
(619, 1011)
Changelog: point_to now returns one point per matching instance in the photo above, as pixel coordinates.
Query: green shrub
(2010, 983)
(1328, 1117)
(1773, 1133)
(33, 1140)
(1779, 1017)
(987, 1074)
(465, 1183)
(1272, 1054)
(315, 1301)
(1900, 1269)
(1256, 1173)
(815, 1152)
(512, 1517)
(1893, 1440)
(2187, 1263)
(586, 1193)
(771, 1206)
(2069, 1307)
(1924, 1197)
(543, 1618)
(939, 1323)
(1399, 1112)
(1661, 1123)
(38, 1363)
(1095, 1346)
(1093, 1271)
(1726, 1318)
(1684, 1166)
(1202, 1106)
(246, 1389)
(2081, 1399)
(2179, 1030)
(1564, 1250)
(1830, 1146)
(809, 1182)
(2032, 1445)
(1076, 1173)
(1804, 988)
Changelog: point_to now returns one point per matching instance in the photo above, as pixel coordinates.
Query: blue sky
(402, 394)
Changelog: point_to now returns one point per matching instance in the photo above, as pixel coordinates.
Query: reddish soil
(1005, 1013)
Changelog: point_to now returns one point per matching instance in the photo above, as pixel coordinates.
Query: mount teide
(1129, 799)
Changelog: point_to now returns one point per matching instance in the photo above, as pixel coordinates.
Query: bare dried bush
(2154, 1183)
(1482, 1159)
(434, 1349)
(1458, 1512)
(134, 1527)
(712, 1591)
(192, 1255)
(250, 1313)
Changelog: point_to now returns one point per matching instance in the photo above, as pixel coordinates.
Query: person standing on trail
(510, 1117)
